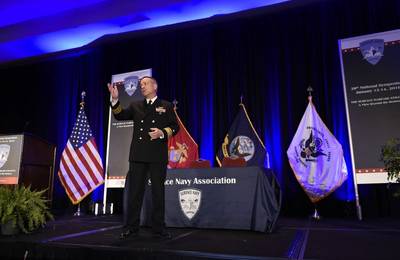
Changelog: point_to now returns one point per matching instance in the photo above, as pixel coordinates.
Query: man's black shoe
(162, 235)
(129, 233)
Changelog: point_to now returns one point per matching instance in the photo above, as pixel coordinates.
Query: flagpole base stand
(315, 215)
(78, 212)
(359, 212)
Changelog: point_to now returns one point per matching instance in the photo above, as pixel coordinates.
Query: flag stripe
(97, 169)
(69, 176)
(81, 167)
(85, 152)
(81, 162)
(91, 172)
(77, 190)
(70, 185)
(66, 186)
(77, 171)
(93, 147)
(73, 174)
(96, 155)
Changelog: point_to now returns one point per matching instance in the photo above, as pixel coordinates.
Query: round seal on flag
(242, 146)
(313, 147)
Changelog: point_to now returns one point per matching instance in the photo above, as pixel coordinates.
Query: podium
(27, 160)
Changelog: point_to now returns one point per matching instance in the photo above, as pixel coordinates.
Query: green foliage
(26, 209)
(390, 155)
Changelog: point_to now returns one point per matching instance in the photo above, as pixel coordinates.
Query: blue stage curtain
(269, 55)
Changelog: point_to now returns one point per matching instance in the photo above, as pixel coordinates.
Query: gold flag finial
(310, 90)
(175, 102)
(83, 95)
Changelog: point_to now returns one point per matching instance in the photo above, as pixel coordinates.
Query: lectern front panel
(10, 158)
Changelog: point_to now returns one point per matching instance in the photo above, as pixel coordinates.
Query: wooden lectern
(27, 160)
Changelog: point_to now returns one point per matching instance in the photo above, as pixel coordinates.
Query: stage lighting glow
(64, 39)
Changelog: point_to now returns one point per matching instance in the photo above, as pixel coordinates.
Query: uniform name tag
(160, 110)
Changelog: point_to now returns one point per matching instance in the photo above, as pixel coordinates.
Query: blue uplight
(75, 37)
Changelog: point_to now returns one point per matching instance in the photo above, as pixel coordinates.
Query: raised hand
(113, 91)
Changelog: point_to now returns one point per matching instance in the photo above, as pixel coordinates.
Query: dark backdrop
(270, 55)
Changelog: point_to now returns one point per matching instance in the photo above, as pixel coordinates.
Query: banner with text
(371, 79)
(120, 132)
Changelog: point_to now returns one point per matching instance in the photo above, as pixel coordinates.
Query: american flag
(81, 168)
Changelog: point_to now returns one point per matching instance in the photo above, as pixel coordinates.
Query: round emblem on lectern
(4, 152)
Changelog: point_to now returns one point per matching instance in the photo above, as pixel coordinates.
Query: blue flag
(243, 141)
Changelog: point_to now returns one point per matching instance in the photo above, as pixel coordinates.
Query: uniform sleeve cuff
(113, 102)
(116, 108)
(167, 131)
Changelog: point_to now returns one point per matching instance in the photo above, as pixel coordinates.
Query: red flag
(81, 168)
(182, 149)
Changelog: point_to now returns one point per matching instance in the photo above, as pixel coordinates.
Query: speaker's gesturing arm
(118, 111)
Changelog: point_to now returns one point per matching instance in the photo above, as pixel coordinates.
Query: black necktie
(149, 103)
(147, 106)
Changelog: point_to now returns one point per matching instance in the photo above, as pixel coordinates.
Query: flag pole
(83, 95)
(241, 100)
(78, 212)
(315, 215)
(310, 90)
(175, 102)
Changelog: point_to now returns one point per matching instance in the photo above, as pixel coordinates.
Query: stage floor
(91, 237)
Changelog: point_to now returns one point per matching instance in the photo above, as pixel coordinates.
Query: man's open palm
(113, 91)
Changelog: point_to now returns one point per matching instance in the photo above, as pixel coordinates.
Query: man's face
(148, 87)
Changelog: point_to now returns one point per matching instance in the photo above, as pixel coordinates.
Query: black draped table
(247, 198)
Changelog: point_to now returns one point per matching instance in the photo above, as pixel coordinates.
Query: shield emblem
(4, 152)
(372, 50)
(130, 84)
(190, 200)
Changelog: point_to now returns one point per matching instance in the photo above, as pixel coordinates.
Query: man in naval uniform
(154, 122)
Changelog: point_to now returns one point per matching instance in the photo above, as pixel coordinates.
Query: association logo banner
(120, 132)
(371, 81)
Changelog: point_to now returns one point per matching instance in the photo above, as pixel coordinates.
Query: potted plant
(390, 155)
(22, 209)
